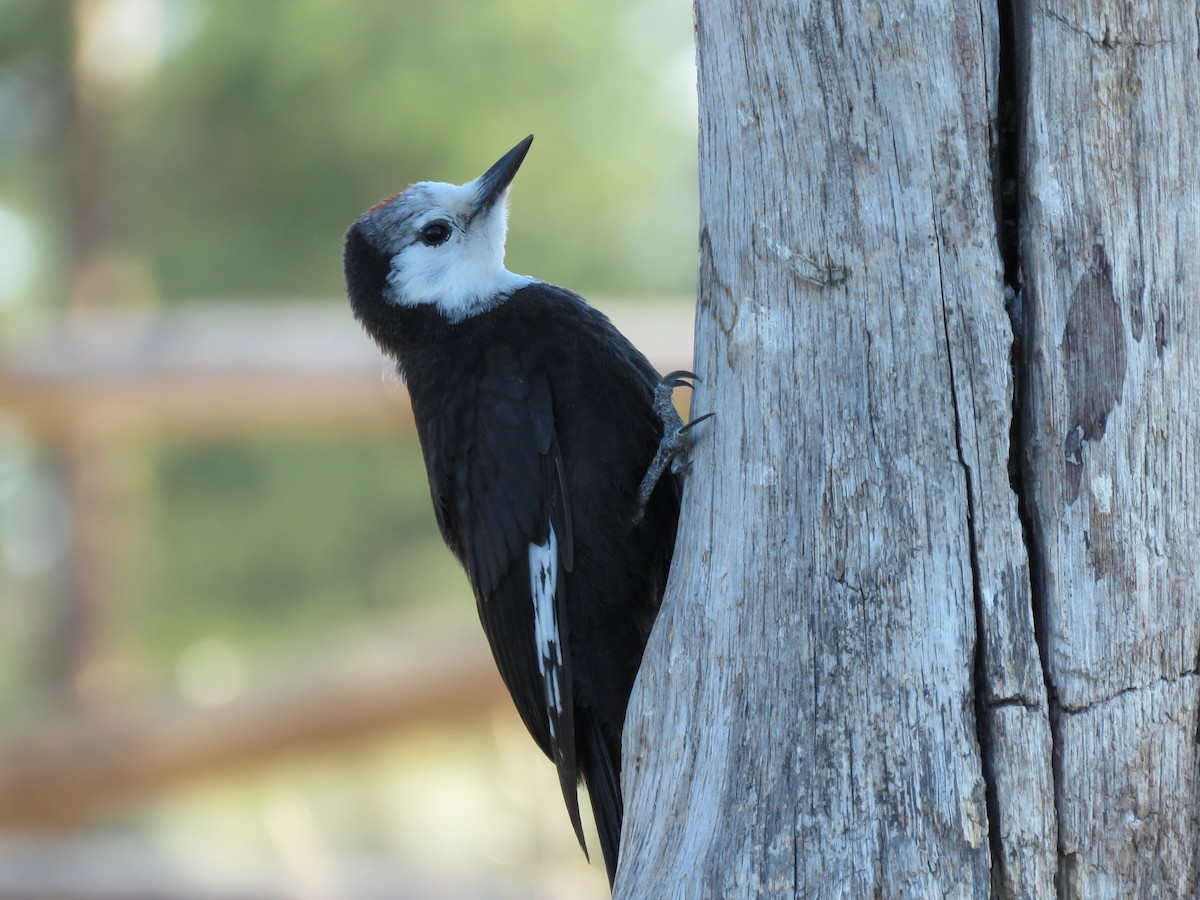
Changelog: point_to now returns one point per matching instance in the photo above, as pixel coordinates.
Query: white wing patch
(551, 659)
(543, 584)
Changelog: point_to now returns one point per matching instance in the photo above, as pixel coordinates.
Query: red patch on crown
(384, 202)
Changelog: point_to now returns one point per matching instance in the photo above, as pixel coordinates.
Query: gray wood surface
(845, 694)
(1111, 316)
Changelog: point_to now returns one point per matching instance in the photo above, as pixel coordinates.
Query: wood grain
(812, 718)
(1111, 257)
(910, 650)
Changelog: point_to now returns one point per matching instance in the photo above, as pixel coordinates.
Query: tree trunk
(844, 695)
(1110, 250)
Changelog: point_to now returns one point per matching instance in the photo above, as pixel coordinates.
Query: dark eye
(435, 233)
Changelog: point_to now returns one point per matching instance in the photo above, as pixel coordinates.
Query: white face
(442, 257)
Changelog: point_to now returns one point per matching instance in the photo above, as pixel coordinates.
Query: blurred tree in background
(167, 152)
(165, 155)
(241, 138)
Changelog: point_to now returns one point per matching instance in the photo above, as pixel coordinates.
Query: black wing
(502, 503)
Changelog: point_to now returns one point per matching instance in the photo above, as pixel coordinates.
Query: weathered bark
(1110, 238)
(844, 695)
(811, 683)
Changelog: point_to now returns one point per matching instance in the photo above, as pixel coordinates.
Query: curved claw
(696, 421)
(674, 378)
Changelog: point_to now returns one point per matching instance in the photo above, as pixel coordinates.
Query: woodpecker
(553, 456)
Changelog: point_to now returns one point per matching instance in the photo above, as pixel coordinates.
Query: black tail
(602, 772)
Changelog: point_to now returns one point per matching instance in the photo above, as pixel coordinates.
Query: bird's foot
(676, 440)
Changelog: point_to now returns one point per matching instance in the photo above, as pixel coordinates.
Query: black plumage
(537, 424)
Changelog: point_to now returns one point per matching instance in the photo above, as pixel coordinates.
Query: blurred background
(235, 659)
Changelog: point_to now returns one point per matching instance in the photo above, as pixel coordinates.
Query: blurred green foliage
(228, 171)
(269, 125)
(223, 165)
(310, 534)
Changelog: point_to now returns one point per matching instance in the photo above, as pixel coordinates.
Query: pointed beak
(491, 185)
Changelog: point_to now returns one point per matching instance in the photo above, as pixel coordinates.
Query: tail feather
(602, 773)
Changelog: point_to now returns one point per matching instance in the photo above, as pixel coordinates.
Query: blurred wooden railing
(59, 772)
(229, 371)
(240, 369)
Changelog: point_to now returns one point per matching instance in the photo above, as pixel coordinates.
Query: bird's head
(437, 245)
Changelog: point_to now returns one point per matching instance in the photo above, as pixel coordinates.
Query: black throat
(398, 330)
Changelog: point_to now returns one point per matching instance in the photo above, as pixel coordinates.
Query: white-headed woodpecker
(538, 422)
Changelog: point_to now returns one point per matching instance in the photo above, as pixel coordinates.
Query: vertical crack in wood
(1006, 187)
(978, 675)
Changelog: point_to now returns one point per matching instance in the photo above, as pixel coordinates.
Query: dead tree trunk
(917, 645)
(1110, 251)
